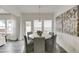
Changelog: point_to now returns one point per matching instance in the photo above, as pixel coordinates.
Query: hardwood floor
(18, 47)
(13, 47)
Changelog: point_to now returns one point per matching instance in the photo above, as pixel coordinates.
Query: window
(48, 25)
(28, 26)
(10, 26)
(37, 25)
(2, 26)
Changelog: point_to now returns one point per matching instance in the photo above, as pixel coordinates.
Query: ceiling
(37, 9)
(19, 9)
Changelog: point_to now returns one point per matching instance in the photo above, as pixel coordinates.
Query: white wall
(16, 33)
(69, 42)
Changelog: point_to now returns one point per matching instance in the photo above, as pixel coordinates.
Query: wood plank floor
(12, 47)
(18, 47)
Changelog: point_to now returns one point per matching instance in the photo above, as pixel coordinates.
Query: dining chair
(50, 44)
(29, 33)
(54, 43)
(5, 38)
(39, 45)
(51, 33)
(28, 47)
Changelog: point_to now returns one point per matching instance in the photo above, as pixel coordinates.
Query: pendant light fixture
(39, 12)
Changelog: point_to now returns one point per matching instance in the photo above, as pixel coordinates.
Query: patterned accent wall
(59, 24)
(67, 21)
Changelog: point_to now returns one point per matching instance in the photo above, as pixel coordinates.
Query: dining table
(39, 41)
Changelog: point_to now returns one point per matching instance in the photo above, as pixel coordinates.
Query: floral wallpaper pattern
(67, 22)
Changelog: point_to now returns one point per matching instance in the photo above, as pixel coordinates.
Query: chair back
(28, 47)
(50, 44)
(54, 43)
(25, 43)
(28, 33)
(51, 33)
(25, 38)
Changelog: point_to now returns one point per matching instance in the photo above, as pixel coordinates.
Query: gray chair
(54, 43)
(39, 45)
(51, 33)
(28, 47)
(28, 33)
(50, 44)
(5, 38)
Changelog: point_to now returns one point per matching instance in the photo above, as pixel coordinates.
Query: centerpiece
(39, 33)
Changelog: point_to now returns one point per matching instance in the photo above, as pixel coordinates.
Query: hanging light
(39, 12)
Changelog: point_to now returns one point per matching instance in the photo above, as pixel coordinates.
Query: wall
(63, 9)
(60, 11)
(69, 42)
(16, 33)
(67, 21)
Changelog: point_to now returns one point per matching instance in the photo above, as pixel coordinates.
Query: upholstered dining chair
(54, 43)
(50, 44)
(29, 33)
(5, 38)
(51, 33)
(28, 47)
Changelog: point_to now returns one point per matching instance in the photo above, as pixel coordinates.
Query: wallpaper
(67, 22)
(59, 24)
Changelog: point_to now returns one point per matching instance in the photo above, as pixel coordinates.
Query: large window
(28, 26)
(48, 25)
(10, 26)
(37, 25)
(2, 26)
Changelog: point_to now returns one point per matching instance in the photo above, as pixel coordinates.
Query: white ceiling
(18, 9)
(36, 9)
